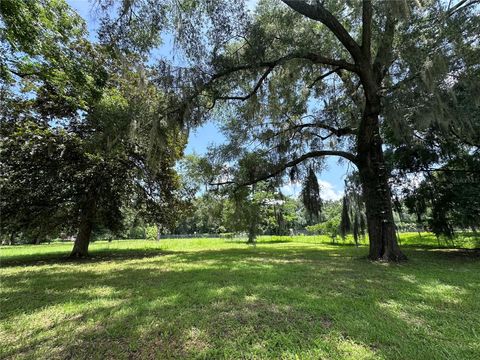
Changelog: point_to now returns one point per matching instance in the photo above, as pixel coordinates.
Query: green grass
(291, 298)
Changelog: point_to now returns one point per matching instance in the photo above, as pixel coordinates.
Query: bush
(151, 232)
(136, 232)
(329, 228)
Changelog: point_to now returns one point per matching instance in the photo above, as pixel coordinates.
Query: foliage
(216, 209)
(76, 132)
(151, 232)
(330, 227)
(213, 213)
(353, 219)
(45, 53)
(451, 196)
(47, 174)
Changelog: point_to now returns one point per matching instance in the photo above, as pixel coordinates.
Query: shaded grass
(211, 298)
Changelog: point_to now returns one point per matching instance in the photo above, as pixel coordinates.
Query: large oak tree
(295, 81)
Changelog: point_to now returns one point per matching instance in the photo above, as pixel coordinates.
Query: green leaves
(78, 124)
(47, 57)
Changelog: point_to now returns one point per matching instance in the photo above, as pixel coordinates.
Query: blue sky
(331, 179)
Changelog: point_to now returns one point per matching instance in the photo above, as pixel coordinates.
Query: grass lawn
(291, 298)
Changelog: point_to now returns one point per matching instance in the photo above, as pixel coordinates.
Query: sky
(331, 179)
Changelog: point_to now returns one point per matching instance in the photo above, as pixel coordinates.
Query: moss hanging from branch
(311, 196)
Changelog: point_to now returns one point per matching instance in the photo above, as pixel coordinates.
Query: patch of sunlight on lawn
(292, 298)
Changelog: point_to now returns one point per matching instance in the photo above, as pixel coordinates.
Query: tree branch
(282, 167)
(367, 14)
(460, 6)
(23, 74)
(310, 56)
(270, 65)
(333, 131)
(323, 76)
(251, 93)
(319, 13)
(315, 58)
(338, 132)
(384, 52)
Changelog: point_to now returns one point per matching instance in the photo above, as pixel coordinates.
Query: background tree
(448, 198)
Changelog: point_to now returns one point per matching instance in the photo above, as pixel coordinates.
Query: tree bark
(376, 191)
(10, 240)
(252, 231)
(82, 241)
(159, 231)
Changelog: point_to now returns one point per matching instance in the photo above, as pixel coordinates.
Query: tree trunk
(9, 240)
(159, 232)
(380, 224)
(252, 233)
(80, 248)
(252, 225)
(376, 191)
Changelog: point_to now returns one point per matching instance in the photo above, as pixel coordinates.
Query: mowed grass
(290, 298)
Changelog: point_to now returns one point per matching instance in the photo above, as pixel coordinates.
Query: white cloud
(292, 188)
(327, 190)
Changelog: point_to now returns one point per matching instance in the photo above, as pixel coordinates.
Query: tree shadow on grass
(97, 255)
(234, 303)
(259, 242)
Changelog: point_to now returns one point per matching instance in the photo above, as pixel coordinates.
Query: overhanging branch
(270, 65)
(310, 56)
(319, 13)
(251, 93)
(336, 131)
(282, 167)
(463, 4)
(339, 132)
(323, 76)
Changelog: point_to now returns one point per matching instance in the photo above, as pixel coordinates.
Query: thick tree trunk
(374, 178)
(80, 248)
(381, 228)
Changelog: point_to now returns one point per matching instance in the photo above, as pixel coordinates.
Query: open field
(211, 298)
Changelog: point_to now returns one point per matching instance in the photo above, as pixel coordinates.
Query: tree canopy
(76, 130)
(295, 81)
